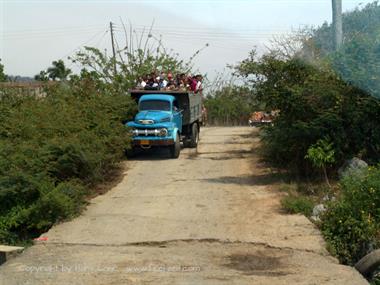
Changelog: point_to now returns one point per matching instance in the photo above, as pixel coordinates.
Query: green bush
(351, 225)
(313, 104)
(53, 149)
(376, 281)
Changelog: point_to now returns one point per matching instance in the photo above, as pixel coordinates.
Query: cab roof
(161, 97)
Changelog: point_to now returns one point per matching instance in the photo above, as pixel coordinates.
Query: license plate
(144, 142)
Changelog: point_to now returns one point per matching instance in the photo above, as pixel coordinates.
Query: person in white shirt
(198, 87)
(162, 81)
(143, 82)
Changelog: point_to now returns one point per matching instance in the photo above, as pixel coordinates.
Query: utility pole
(337, 23)
(113, 48)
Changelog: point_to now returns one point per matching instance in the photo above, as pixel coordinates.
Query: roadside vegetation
(56, 146)
(295, 203)
(352, 223)
(53, 150)
(328, 112)
(229, 106)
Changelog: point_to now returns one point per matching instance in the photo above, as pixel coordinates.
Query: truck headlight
(134, 132)
(163, 132)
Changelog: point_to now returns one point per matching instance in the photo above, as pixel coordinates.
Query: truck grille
(150, 132)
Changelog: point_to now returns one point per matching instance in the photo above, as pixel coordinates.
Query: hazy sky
(34, 33)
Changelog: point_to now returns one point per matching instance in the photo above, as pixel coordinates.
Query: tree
(58, 71)
(313, 103)
(231, 105)
(3, 77)
(321, 154)
(140, 56)
(357, 61)
(42, 76)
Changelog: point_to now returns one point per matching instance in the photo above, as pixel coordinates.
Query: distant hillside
(358, 61)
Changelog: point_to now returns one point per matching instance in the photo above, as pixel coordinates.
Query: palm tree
(58, 71)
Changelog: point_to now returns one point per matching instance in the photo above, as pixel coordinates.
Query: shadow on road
(250, 180)
(151, 154)
(221, 155)
(154, 153)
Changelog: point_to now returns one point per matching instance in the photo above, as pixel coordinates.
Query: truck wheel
(175, 149)
(131, 152)
(194, 136)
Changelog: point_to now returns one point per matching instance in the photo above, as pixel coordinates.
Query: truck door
(177, 115)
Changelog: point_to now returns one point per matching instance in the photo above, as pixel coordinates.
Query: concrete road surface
(210, 217)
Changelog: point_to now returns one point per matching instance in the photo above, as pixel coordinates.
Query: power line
(84, 43)
(97, 45)
(46, 35)
(194, 28)
(213, 31)
(214, 34)
(140, 27)
(222, 36)
(54, 29)
(101, 39)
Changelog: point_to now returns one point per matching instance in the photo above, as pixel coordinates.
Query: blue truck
(165, 119)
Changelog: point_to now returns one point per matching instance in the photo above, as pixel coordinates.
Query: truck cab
(163, 121)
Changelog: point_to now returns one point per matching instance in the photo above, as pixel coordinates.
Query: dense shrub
(52, 149)
(314, 104)
(352, 224)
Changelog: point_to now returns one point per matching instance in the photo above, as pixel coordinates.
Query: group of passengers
(164, 81)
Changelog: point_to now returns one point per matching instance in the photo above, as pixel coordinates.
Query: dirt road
(210, 217)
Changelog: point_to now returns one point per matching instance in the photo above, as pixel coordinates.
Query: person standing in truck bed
(192, 82)
(198, 88)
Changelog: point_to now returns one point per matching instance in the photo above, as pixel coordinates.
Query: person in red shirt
(192, 83)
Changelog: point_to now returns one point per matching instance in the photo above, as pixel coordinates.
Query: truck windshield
(154, 105)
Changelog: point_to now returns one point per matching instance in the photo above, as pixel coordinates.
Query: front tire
(131, 152)
(175, 149)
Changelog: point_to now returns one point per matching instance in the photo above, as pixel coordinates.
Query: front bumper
(152, 142)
